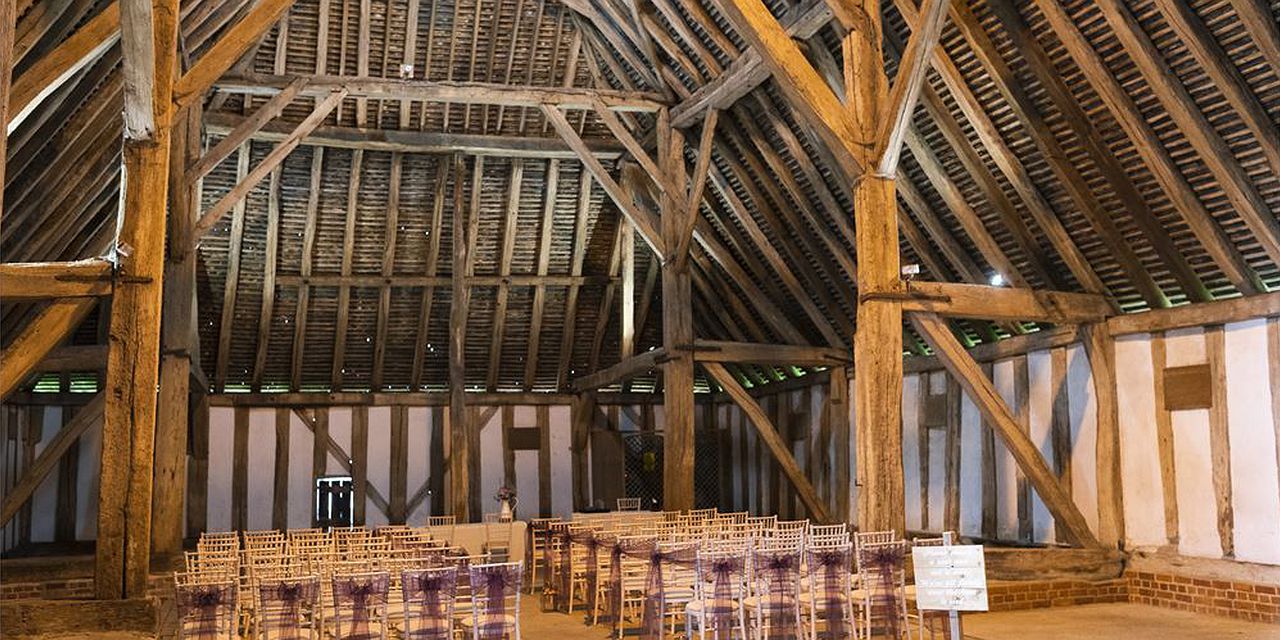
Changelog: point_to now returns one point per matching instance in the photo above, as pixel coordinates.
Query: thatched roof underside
(1015, 132)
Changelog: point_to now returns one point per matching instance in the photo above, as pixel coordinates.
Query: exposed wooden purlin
(41, 280)
(1003, 303)
(996, 412)
(427, 301)
(1196, 128)
(25, 486)
(1011, 166)
(516, 280)
(1147, 144)
(702, 165)
(783, 354)
(621, 371)
(41, 335)
(506, 250)
(580, 242)
(272, 160)
(123, 549)
(1264, 305)
(461, 92)
(423, 142)
(778, 264)
(792, 211)
(769, 435)
(267, 312)
(245, 129)
(544, 257)
(39, 80)
(644, 220)
(308, 248)
(963, 212)
(391, 228)
(232, 282)
(229, 48)
(1262, 27)
(748, 70)
(338, 373)
(906, 85)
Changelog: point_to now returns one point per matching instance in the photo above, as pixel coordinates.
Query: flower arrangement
(505, 494)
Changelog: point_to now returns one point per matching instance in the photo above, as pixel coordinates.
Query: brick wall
(1247, 601)
(1012, 596)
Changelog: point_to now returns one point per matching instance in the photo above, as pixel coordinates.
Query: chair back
(882, 570)
(628, 504)
(289, 608)
(777, 587)
(721, 588)
(360, 605)
(429, 597)
(495, 599)
(206, 611)
(831, 583)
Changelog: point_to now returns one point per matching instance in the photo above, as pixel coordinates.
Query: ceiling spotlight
(997, 280)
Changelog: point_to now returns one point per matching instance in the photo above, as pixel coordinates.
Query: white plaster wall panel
(1084, 435)
(419, 426)
(1197, 510)
(1006, 468)
(492, 474)
(1255, 489)
(1040, 394)
(937, 479)
(340, 431)
(260, 494)
(561, 462)
(44, 501)
(911, 448)
(221, 452)
(301, 483)
(970, 467)
(87, 476)
(1139, 451)
(378, 465)
(527, 501)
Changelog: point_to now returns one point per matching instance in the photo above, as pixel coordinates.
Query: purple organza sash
(662, 557)
(828, 574)
(882, 564)
(725, 573)
(208, 607)
(587, 538)
(429, 598)
(360, 595)
(496, 582)
(284, 603)
(619, 547)
(779, 572)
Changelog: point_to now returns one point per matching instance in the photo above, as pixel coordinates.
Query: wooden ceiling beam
(308, 249)
(232, 280)
(41, 280)
(568, 337)
(698, 185)
(997, 414)
(506, 252)
(390, 231)
(758, 353)
(447, 91)
(544, 257)
(748, 70)
(1005, 303)
(1146, 142)
(39, 337)
(245, 129)
(621, 371)
(229, 48)
(78, 51)
(1263, 305)
(906, 86)
(273, 159)
(427, 301)
(338, 372)
(780, 449)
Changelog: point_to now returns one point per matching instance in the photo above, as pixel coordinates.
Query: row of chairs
(348, 583)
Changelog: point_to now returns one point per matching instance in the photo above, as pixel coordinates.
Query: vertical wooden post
(1101, 349)
(838, 412)
(177, 342)
(460, 452)
(877, 341)
(149, 37)
(584, 412)
(677, 332)
(627, 346)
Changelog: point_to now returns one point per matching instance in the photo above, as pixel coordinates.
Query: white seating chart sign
(950, 578)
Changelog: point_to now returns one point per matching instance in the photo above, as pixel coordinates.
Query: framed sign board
(951, 578)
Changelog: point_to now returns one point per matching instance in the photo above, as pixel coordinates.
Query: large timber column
(459, 424)
(149, 42)
(877, 343)
(677, 331)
